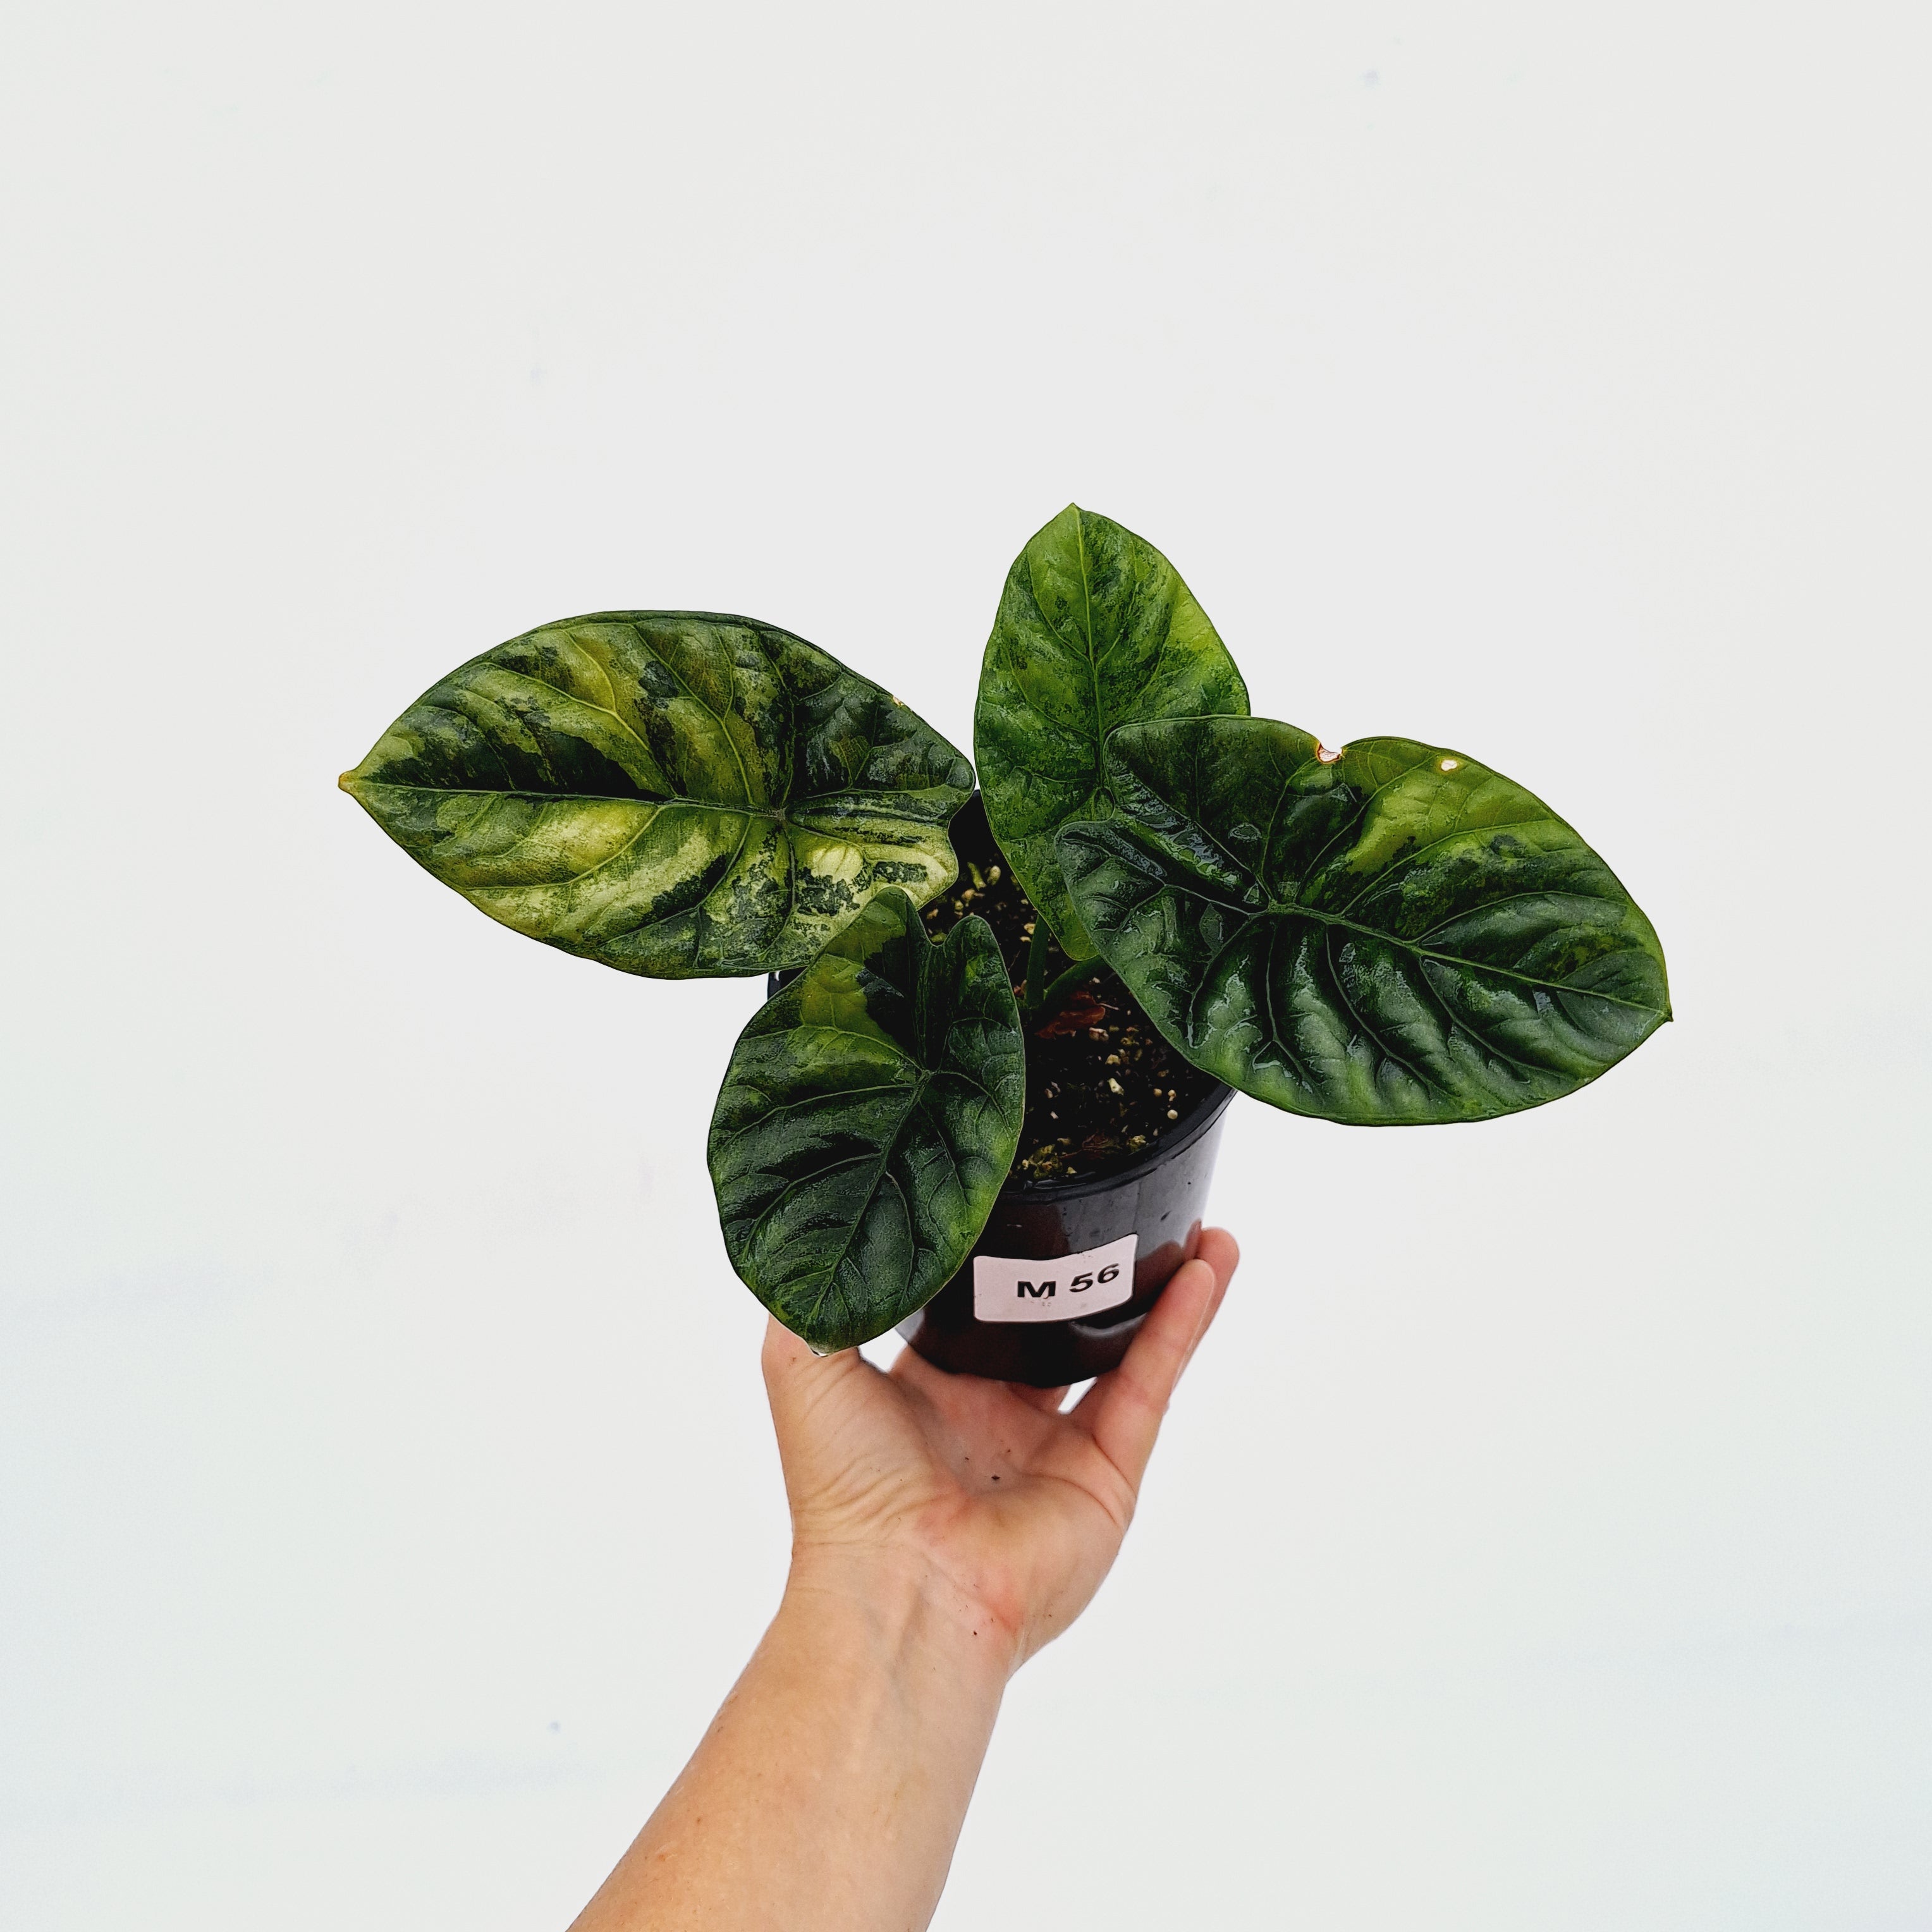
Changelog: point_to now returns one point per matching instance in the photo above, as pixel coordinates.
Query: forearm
(830, 1789)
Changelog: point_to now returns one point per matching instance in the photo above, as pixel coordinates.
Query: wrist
(904, 1609)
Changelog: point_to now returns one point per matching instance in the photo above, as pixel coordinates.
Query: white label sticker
(1061, 1290)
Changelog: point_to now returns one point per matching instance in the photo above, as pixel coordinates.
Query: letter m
(1039, 1294)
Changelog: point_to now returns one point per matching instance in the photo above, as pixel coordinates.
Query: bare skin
(944, 1529)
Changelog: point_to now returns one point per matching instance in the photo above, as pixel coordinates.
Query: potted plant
(981, 1100)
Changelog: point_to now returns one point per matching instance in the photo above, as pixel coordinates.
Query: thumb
(1123, 1411)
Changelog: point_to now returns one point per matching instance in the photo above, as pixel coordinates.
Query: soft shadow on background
(386, 1497)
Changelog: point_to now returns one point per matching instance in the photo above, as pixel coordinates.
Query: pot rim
(1178, 1140)
(1182, 1136)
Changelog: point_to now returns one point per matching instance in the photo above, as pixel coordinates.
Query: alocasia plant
(1389, 935)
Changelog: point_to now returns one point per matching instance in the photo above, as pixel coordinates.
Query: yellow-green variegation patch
(671, 793)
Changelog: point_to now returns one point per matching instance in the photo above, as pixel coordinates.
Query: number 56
(1107, 1274)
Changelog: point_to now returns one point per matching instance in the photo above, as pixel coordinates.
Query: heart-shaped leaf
(868, 1118)
(668, 792)
(1396, 934)
(1095, 629)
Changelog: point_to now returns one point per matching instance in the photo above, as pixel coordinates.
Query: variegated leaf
(668, 792)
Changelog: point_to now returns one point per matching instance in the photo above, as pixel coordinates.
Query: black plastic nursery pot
(1066, 1271)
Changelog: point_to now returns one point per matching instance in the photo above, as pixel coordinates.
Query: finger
(1122, 1411)
(1220, 1250)
(783, 1354)
(796, 1377)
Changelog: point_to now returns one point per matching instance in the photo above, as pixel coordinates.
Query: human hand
(984, 1490)
(943, 1527)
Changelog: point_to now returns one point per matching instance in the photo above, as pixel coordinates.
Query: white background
(385, 1494)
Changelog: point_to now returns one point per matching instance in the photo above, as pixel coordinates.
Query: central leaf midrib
(831, 1273)
(913, 1096)
(1275, 908)
(784, 815)
(1086, 600)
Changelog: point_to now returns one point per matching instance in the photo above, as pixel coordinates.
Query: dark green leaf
(669, 792)
(1095, 629)
(1398, 935)
(867, 1121)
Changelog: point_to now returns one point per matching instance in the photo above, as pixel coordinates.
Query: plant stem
(1036, 965)
(1056, 993)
